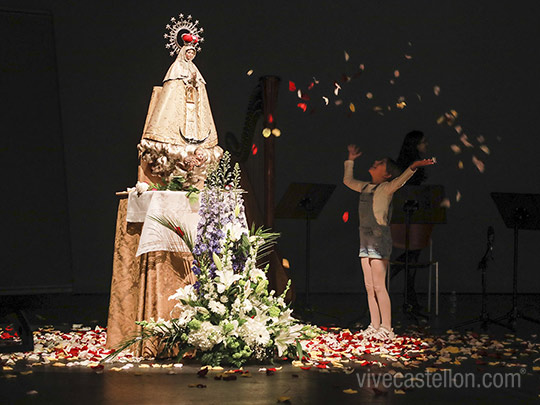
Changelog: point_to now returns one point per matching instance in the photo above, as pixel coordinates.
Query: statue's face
(190, 54)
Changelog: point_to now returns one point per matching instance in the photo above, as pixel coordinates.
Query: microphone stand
(484, 318)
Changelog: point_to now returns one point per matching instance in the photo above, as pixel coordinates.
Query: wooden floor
(77, 385)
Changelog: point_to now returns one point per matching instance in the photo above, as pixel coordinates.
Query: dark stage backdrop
(481, 54)
(36, 254)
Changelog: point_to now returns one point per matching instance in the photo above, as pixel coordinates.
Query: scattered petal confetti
(458, 196)
(254, 149)
(346, 56)
(352, 107)
(465, 140)
(460, 165)
(485, 149)
(337, 88)
(325, 100)
(345, 216)
(270, 118)
(311, 85)
(455, 148)
(408, 56)
(338, 102)
(361, 67)
(396, 73)
(401, 105)
(419, 97)
(445, 203)
(285, 263)
(458, 129)
(350, 391)
(392, 81)
(276, 132)
(249, 72)
(299, 93)
(315, 80)
(436, 90)
(481, 139)
(369, 95)
(266, 131)
(479, 164)
(302, 106)
(292, 86)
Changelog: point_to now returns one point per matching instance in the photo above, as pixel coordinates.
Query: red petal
(292, 86)
(302, 106)
(345, 216)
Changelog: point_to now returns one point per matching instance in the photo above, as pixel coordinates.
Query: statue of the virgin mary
(180, 138)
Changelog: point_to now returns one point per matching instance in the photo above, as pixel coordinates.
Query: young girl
(375, 238)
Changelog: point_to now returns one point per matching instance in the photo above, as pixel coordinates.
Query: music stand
(304, 201)
(519, 211)
(416, 205)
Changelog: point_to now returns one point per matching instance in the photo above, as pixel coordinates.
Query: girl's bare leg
(378, 271)
(370, 289)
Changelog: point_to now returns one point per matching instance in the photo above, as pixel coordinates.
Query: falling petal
(302, 106)
(408, 56)
(377, 108)
(401, 105)
(436, 90)
(325, 100)
(362, 67)
(369, 95)
(299, 93)
(479, 164)
(454, 113)
(337, 88)
(285, 263)
(311, 85)
(460, 165)
(350, 391)
(400, 99)
(292, 86)
(458, 196)
(388, 108)
(352, 107)
(419, 97)
(409, 43)
(345, 216)
(250, 72)
(445, 203)
(346, 56)
(465, 140)
(440, 120)
(392, 81)
(254, 149)
(481, 139)
(396, 73)
(315, 80)
(339, 102)
(276, 132)
(485, 149)
(455, 148)
(270, 118)
(458, 129)
(266, 132)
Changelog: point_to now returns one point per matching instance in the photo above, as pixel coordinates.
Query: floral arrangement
(228, 315)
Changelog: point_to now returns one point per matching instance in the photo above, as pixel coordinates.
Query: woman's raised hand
(423, 162)
(354, 152)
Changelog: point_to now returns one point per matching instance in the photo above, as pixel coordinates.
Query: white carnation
(141, 187)
(217, 307)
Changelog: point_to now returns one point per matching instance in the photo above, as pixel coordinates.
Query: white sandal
(370, 331)
(384, 334)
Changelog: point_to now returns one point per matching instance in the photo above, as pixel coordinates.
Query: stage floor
(20, 384)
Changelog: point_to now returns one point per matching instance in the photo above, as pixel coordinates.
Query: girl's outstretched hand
(354, 152)
(421, 163)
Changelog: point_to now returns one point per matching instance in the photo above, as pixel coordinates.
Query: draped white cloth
(166, 204)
